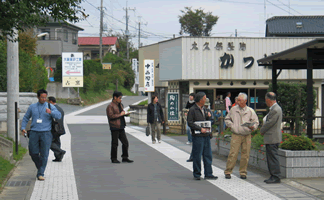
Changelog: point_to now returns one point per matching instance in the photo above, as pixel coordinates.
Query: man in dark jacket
(117, 124)
(190, 103)
(155, 117)
(200, 138)
(56, 142)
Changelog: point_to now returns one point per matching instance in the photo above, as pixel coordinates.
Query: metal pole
(139, 35)
(16, 126)
(12, 82)
(68, 92)
(101, 28)
(78, 92)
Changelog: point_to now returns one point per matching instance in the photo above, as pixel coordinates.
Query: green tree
(290, 97)
(25, 14)
(58, 70)
(122, 51)
(3, 67)
(196, 22)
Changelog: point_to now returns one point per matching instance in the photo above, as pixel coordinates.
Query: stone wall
(138, 117)
(25, 99)
(56, 90)
(6, 148)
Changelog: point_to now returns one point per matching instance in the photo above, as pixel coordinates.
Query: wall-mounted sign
(72, 67)
(149, 75)
(173, 106)
(220, 105)
(106, 65)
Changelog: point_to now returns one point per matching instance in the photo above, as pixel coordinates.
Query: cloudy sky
(159, 19)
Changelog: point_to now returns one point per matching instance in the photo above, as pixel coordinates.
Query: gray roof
(287, 24)
(62, 23)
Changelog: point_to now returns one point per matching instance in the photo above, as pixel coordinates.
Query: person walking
(115, 113)
(271, 130)
(241, 137)
(40, 137)
(234, 104)
(228, 102)
(56, 142)
(201, 146)
(190, 103)
(155, 117)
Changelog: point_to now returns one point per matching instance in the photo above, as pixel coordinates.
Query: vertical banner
(149, 75)
(72, 69)
(173, 106)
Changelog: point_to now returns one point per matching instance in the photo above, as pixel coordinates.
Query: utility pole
(235, 32)
(101, 29)
(12, 83)
(139, 31)
(265, 12)
(127, 32)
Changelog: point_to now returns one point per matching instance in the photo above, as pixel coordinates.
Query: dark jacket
(114, 116)
(150, 113)
(189, 105)
(60, 121)
(194, 115)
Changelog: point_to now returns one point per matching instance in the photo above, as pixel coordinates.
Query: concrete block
(308, 153)
(3, 117)
(322, 162)
(3, 108)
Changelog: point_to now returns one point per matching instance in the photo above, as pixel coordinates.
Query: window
(45, 37)
(260, 99)
(66, 35)
(74, 38)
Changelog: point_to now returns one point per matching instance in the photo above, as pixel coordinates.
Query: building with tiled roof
(90, 46)
(295, 26)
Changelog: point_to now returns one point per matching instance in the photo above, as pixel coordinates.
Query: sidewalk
(21, 184)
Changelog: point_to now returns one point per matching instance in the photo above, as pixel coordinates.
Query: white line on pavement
(236, 187)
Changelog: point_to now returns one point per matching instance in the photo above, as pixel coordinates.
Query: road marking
(236, 187)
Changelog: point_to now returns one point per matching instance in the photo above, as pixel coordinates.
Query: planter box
(138, 117)
(293, 164)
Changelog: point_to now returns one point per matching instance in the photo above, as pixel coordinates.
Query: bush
(298, 143)
(257, 141)
(58, 70)
(3, 67)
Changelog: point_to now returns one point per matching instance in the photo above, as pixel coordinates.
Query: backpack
(56, 127)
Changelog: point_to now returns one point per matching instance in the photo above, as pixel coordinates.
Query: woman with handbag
(155, 118)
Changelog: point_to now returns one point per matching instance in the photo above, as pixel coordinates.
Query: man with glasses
(40, 137)
(115, 113)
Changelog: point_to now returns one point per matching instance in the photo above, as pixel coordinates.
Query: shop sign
(173, 106)
(220, 105)
(149, 75)
(256, 99)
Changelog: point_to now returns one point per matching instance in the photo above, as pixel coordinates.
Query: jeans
(39, 146)
(56, 146)
(201, 147)
(189, 133)
(121, 135)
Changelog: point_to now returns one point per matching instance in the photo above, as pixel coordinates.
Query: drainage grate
(18, 183)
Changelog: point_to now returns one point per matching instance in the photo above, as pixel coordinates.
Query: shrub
(257, 141)
(298, 143)
(58, 70)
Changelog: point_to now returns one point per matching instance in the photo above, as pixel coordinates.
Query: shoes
(57, 160)
(41, 178)
(159, 141)
(188, 142)
(268, 179)
(60, 157)
(228, 176)
(190, 160)
(211, 177)
(243, 177)
(197, 178)
(127, 160)
(153, 142)
(273, 181)
(62, 154)
(115, 161)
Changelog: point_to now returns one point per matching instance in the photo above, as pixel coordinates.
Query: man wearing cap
(200, 138)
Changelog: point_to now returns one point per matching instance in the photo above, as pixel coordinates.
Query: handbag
(57, 129)
(148, 130)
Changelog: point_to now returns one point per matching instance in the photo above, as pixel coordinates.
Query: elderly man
(200, 138)
(272, 136)
(241, 137)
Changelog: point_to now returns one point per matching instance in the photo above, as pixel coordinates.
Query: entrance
(234, 93)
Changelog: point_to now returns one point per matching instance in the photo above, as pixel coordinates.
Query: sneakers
(188, 142)
(159, 141)
(153, 142)
(228, 176)
(41, 178)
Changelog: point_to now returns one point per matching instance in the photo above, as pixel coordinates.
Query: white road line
(236, 187)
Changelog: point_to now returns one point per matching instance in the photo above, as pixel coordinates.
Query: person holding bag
(155, 117)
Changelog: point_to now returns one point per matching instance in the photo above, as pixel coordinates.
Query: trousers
(121, 135)
(156, 125)
(39, 146)
(56, 146)
(273, 160)
(201, 147)
(238, 142)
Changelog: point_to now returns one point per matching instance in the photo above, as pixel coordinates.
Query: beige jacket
(235, 118)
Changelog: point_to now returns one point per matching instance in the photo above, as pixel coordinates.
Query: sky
(159, 19)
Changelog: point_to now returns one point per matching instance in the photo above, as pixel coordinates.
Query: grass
(174, 134)
(63, 101)
(5, 165)
(121, 89)
(143, 103)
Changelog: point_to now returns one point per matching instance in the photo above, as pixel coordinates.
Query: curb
(304, 188)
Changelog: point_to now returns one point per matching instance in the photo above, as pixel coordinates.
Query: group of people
(42, 137)
(236, 115)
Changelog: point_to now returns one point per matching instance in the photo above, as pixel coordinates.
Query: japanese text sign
(149, 75)
(173, 106)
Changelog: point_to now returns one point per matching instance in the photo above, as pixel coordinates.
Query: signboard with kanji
(106, 65)
(148, 75)
(72, 67)
(220, 105)
(173, 106)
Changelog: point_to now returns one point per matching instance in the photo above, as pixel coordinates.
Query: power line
(278, 6)
(290, 7)
(245, 2)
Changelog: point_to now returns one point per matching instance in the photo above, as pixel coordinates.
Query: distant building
(295, 26)
(90, 46)
(60, 37)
